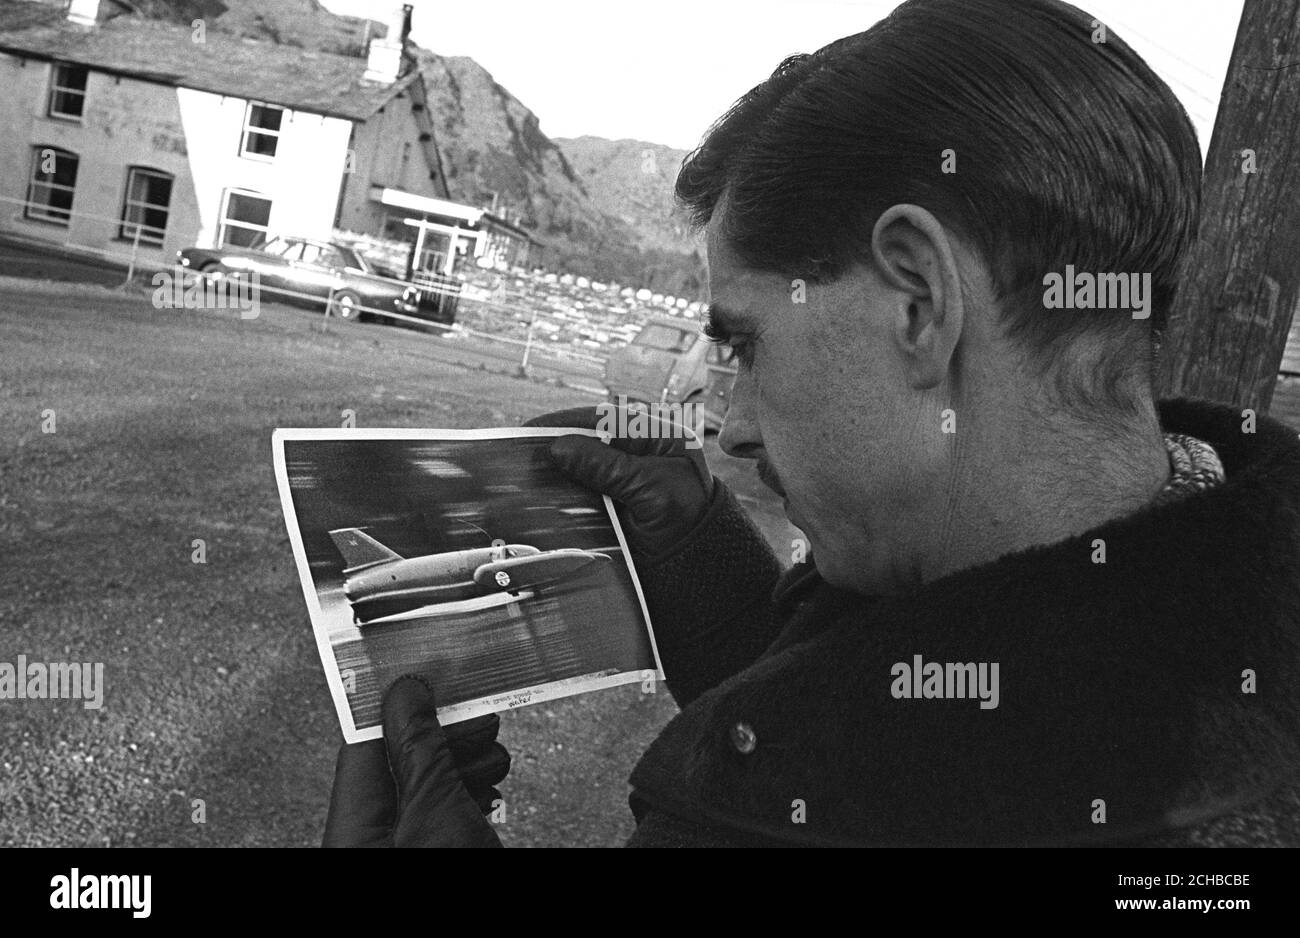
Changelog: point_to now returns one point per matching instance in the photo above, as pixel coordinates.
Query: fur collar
(1120, 682)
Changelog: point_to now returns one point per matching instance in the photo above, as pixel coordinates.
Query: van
(670, 362)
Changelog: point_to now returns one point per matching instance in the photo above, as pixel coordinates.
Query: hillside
(632, 181)
(493, 147)
(301, 23)
(595, 217)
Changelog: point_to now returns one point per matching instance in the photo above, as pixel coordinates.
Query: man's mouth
(769, 478)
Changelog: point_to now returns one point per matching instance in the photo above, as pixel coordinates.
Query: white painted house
(132, 135)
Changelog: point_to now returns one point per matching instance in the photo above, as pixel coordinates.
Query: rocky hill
(632, 181)
(494, 150)
(592, 203)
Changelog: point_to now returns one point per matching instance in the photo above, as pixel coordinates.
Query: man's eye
(736, 350)
(740, 352)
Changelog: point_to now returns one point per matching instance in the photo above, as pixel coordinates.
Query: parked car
(324, 273)
(670, 362)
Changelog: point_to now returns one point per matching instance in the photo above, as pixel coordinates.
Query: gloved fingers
(363, 803)
(471, 735)
(583, 417)
(624, 478)
(487, 799)
(487, 766)
(659, 437)
(483, 762)
(435, 809)
(601, 468)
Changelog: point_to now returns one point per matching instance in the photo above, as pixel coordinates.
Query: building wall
(302, 180)
(386, 152)
(193, 135)
(124, 123)
(503, 246)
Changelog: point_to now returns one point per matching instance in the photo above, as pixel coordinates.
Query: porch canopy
(453, 221)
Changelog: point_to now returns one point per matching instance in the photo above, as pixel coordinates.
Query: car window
(313, 254)
(666, 338)
(385, 264)
(351, 258)
(278, 246)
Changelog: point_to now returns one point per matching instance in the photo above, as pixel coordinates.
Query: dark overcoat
(1153, 698)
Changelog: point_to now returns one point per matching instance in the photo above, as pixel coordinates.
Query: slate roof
(317, 82)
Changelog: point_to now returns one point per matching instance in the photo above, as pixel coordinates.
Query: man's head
(880, 218)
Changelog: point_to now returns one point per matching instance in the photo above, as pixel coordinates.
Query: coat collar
(1124, 685)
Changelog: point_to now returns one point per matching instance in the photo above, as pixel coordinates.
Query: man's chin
(845, 567)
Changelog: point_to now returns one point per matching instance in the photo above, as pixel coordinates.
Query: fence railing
(143, 257)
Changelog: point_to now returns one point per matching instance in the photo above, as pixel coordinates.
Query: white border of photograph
(469, 709)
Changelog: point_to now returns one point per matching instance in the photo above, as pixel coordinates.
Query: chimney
(384, 56)
(83, 12)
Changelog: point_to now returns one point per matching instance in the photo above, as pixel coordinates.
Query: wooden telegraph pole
(1226, 336)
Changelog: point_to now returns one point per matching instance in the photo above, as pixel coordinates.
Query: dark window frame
(60, 92)
(224, 221)
(46, 211)
(251, 130)
(127, 225)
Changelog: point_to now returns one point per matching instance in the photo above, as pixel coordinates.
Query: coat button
(743, 738)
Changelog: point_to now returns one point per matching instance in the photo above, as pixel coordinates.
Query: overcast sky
(663, 71)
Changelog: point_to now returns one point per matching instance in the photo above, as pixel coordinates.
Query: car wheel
(345, 305)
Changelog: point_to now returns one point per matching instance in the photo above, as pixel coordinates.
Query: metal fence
(138, 256)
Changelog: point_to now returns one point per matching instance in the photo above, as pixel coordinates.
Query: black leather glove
(421, 785)
(662, 486)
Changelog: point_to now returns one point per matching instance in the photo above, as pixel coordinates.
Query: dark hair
(1068, 150)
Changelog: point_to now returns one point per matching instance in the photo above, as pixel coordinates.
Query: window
(666, 338)
(352, 258)
(261, 131)
(144, 212)
(68, 91)
(279, 247)
(51, 185)
(321, 255)
(244, 219)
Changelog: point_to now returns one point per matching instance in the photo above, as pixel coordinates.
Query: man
(1044, 609)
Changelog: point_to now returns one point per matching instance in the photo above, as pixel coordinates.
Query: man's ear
(915, 258)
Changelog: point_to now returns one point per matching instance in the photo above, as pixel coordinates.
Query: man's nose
(740, 436)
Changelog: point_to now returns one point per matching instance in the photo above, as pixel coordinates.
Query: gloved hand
(421, 785)
(662, 487)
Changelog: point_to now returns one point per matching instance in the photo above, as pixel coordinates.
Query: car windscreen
(354, 259)
(379, 263)
(280, 247)
(666, 338)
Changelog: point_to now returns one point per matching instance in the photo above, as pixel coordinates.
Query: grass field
(214, 690)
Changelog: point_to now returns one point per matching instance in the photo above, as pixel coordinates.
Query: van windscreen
(666, 338)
